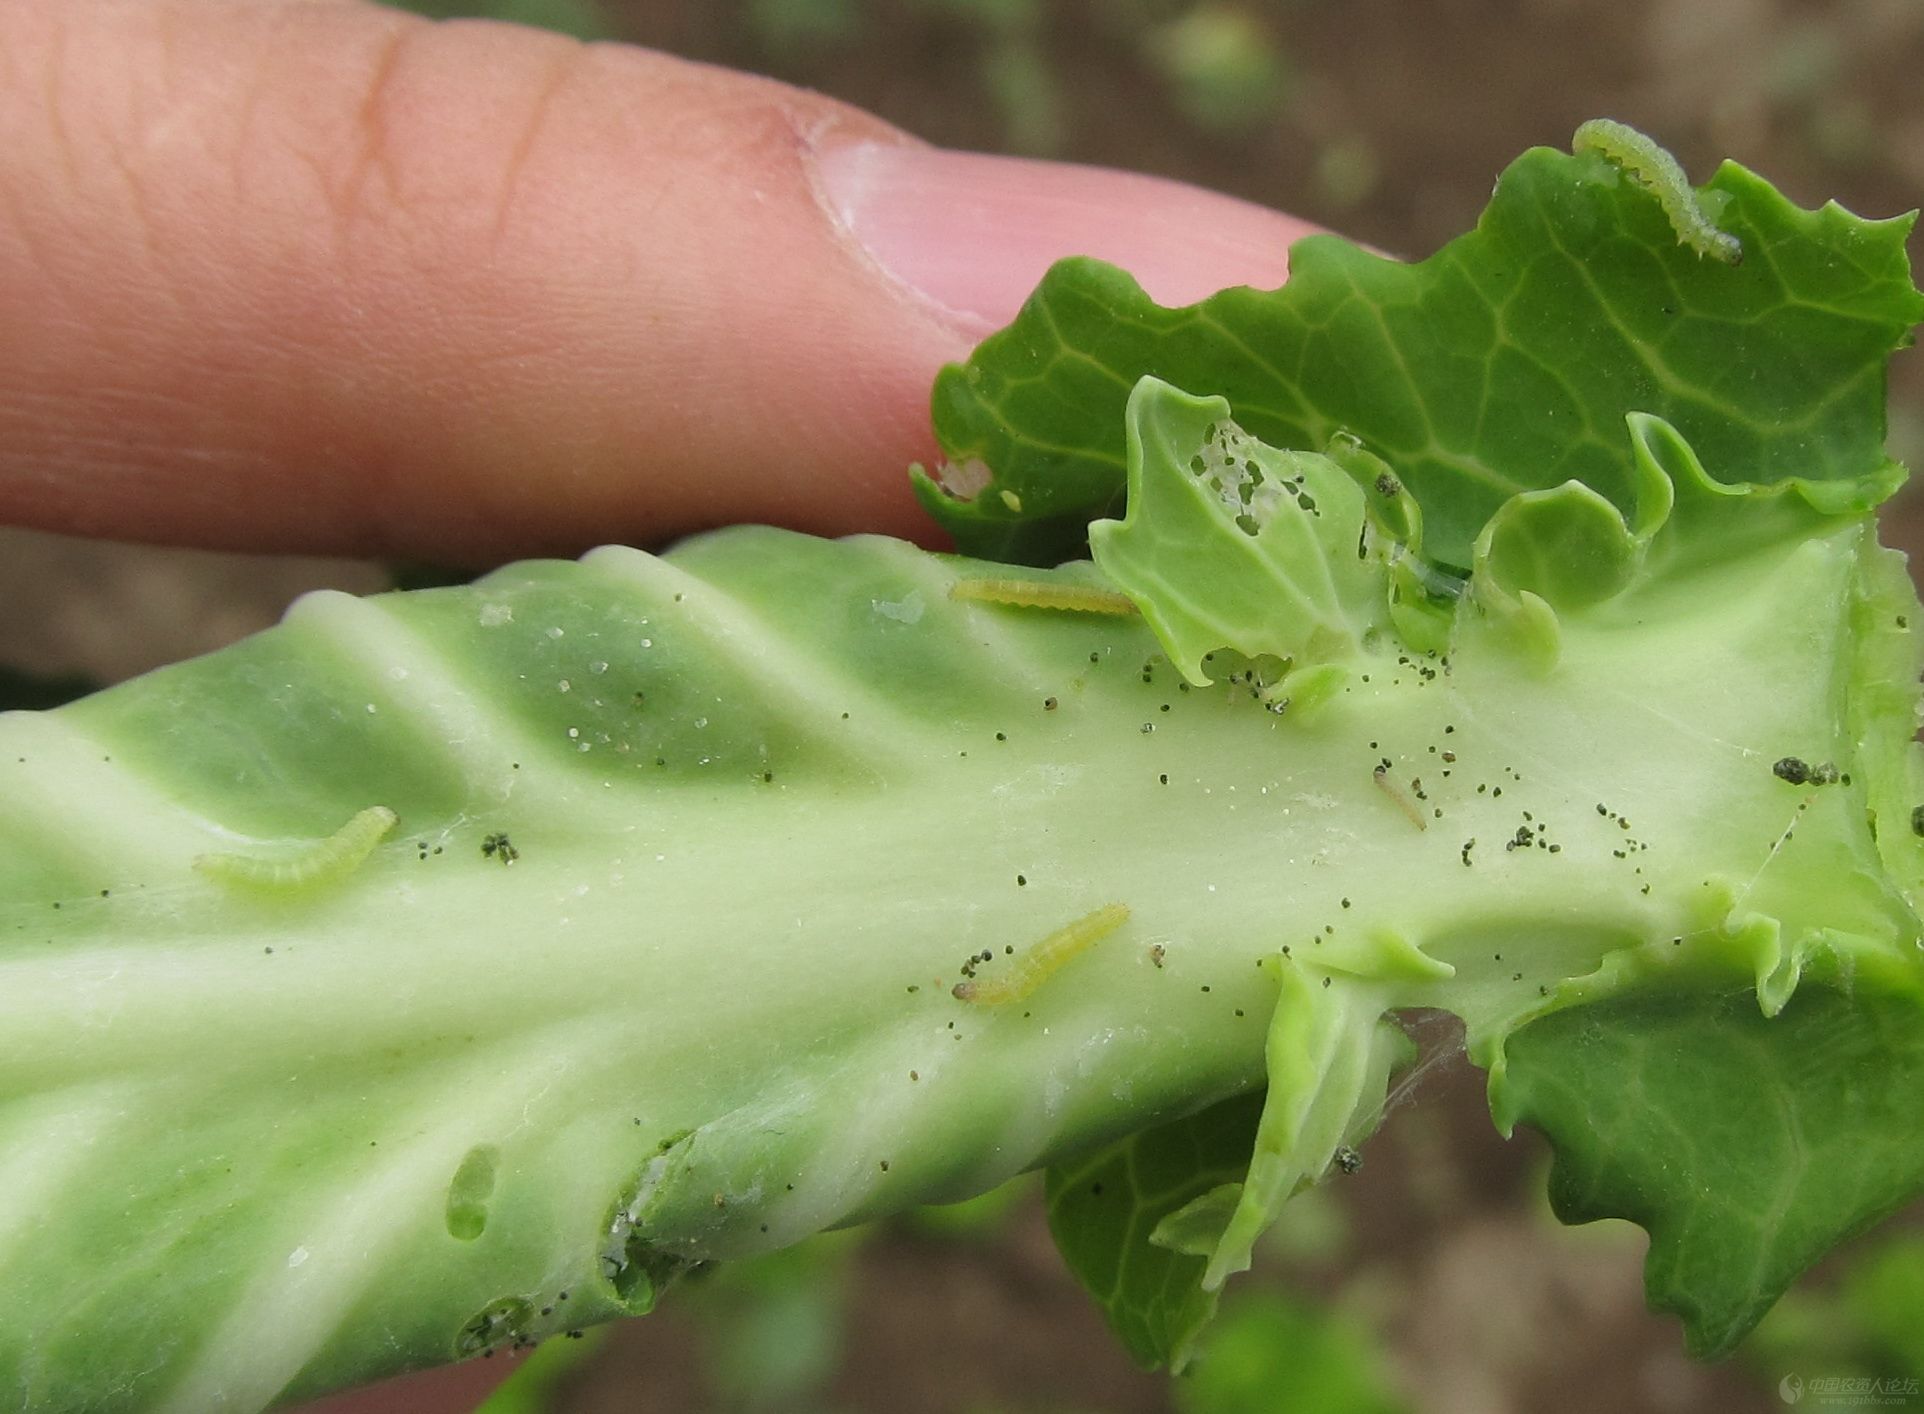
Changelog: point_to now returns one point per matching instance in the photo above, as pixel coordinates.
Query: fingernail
(972, 234)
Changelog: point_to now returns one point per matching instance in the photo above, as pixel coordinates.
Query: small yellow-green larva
(1033, 594)
(1395, 793)
(307, 866)
(1041, 961)
(1656, 170)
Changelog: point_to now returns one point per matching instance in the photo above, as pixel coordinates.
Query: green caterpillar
(1651, 167)
(1045, 958)
(317, 862)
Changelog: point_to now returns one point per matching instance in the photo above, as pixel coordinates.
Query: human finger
(321, 276)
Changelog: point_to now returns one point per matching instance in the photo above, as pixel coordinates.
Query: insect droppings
(1798, 772)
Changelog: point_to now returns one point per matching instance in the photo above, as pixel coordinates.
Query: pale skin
(309, 275)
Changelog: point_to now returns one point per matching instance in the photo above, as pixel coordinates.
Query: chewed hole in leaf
(964, 480)
(634, 1264)
(1226, 465)
(642, 1273)
(470, 1191)
(499, 1322)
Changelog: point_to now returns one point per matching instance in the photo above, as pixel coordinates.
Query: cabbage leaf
(1506, 634)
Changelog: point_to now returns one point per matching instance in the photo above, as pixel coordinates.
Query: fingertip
(973, 233)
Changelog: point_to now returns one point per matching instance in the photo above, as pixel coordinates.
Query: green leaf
(1747, 1146)
(1104, 1211)
(1505, 362)
(1329, 1057)
(1546, 550)
(1232, 543)
(1551, 564)
(1567, 546)
(656, 966)
(765, 796)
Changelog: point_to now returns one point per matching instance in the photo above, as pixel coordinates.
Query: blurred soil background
(1434, 1279)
